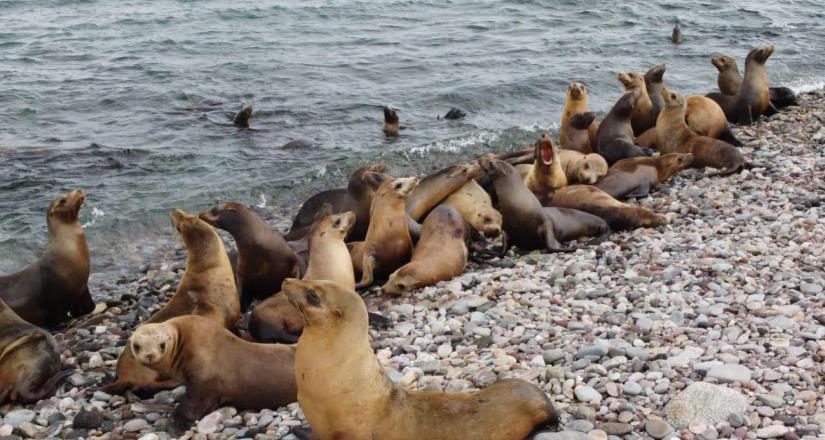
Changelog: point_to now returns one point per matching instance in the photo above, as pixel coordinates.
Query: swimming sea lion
(29, 360)
(729, 81)
(388, 244)
(391, 122)
(476, 207)
(593, 200)
(217, 367)
(753, 98)
(676, 137)
(275, 319)
(345, 393)
(577, 136)
(636, 176)
(546, 172)
(454, 113)
(576, 102)
(54, 287)
(440, 254)
(356, 197)
(614, 140)
(242, 117)
(582, 168)
(206, 289)
(264, 258)
(434, 188)
(676, 35)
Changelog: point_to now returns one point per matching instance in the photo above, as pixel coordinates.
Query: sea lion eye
(337, 223)
(312, 298)
(488, 220)
(136, 347)
(398, 185)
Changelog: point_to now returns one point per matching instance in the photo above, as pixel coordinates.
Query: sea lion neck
(208, 251)
(59, 229)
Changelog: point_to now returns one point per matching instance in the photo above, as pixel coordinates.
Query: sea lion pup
(356, 197)
(29, 360)
(440, 255)
(526, 223)
(753, 97)
(577, 136)
(53, 288)
(391, 122)
(676, 137)
(359, 402)
(434, 188)
(206, 289)
(242, 117)
(275, 319)
(635, 177)
(593, 200)
(643, 117)
(729, 81)
(546, 172)
(264, 258)
(576, 102)
(388, 244)
(582, 168)
(476, 207)
(614, 140)
(572, 224)
(217, 367)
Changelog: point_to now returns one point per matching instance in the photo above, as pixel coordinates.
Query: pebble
(16, 417)
(772, 431)
(135, 425)
(588, 394)
(658, 429)
(730, 373)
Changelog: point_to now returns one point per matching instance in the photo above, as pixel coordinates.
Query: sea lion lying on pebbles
(597, 202)
(572, 224)
(476, 207)
(635, 177)
(359, 402)
(582, 168)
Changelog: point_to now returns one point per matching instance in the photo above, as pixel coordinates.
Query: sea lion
(576, 102)
(676, 137)
(388, 244)
(29, 360)
(275, 319)
(454, 113)
(356, 197)
(264, 258)
(572, 224)
(635, 177)
(546, 172)
(676, 35)
(526, 223)
(476, 207)
(345, 393)
(654, 83)
(391, 122)
(593, 200)
(577, 136)
(242, 117)
(434, 188)
(614, 140)
(643, 117)
(729, 81)
(753, 97)
(53, 288)
(217, 367)
(440, 254)
(582, 168)
(206, 289)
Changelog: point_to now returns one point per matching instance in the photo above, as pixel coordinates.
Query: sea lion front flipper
(366, 272)
(84, 304)
(414, 228)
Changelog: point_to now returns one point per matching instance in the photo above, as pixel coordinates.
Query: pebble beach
(710, 327)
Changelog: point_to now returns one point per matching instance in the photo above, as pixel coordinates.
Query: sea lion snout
(149, 343)
(577, 90)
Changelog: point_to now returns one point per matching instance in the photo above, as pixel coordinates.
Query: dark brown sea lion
(753, 97)
(242, 117)
(53, 288)
(391, 122)
(264, 258)
(29, 360)
(476, 207)
(576, 102)
(454, 113)
(578, 134)
(676, 35)
(217, 367)
(436, 187)
(345, 393)
(597, 202)
(582, 168)
(356, 197)
(615, 140)
(572, 224)
(440, 254)
(643, 117)
(729, 81)
(635, 177)
(546, 172)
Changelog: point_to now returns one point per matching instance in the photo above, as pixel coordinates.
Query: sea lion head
(151, 343)
(488, 222)
(760, 54)
(400, 187)
(494, 167)
(401, 281)
(577, 91)
(593, 168)
(656, 73)
(192, 230)
(227, 216)
(723, 62)
(677, 161)
(334, 226)
(673, 99)
(390, 116)
(631, 80)
(366, 180)
(545, 151)
(463, 170)
(325, 304)
(582, 120)
(625, 105)
(66, 208)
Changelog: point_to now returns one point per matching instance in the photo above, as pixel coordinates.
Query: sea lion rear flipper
(47, 388)
(727, 172)
(552, 244)
(84, 304)
(728, 136)
(366, 272)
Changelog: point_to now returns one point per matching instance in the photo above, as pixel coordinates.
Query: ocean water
(132, 100)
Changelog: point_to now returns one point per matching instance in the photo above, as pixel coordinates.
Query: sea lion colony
(405, 231)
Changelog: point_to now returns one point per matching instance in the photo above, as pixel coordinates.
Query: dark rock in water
(88, 419)
(454, 113)
(242, 117)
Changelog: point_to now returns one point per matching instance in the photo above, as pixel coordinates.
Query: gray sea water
(131, 100)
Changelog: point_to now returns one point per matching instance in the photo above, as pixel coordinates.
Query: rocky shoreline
(712, 326)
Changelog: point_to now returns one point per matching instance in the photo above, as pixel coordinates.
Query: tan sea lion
(275, 319)
(440, 254)
(546, 172)
(53, 288)
(436, 187)
(592, 200)
(635, 177)
(476, 207)
(578, 134)
(576, 102)
(582, 168)
(615, 140)
(388, 245)
(345, 393)
(729, 81)
(753, 97)
(29, 360)
(264, 258)
(206, 289)
(217, 367)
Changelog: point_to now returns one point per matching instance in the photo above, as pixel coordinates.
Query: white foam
(806, 85)
(455, 145)
(96, 213)
(261, 201)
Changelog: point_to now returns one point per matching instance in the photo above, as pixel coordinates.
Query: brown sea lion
(635, 177)
(476, 207)
(217, 367)
(53, 288)
(643, 117)
(615, 140)
(275, 319)
(676, 137)
(676, 35)
(29, 360)
(654, 83)
(582, 168)
(388, 245)
(578, 134)
(592, 200)
(356, 197)
(526, 223)
(576, 102)
(753, 97)
(242, 117)
(440, 254)
(264, 258)
(206, 289)
(572, 224)
(345, 393)
(729, 81)
(546, 172)
(391, 123)
(436, 187)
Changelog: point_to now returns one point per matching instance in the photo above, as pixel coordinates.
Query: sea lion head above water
(391, 121)
(66, 208)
